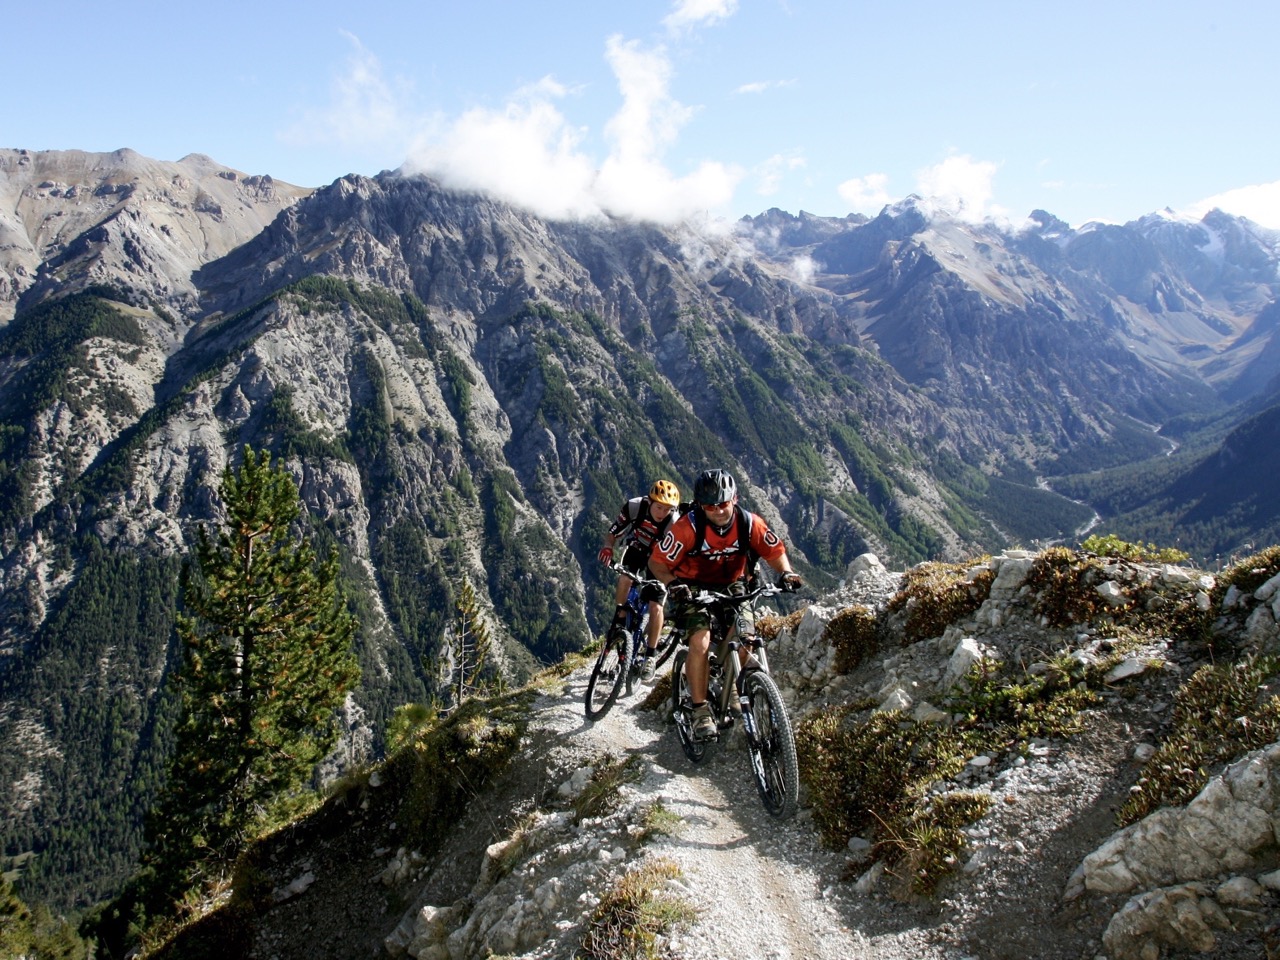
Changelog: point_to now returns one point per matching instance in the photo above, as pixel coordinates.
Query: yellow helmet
(664, 491)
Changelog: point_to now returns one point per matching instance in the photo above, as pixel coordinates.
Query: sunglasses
(725, 505)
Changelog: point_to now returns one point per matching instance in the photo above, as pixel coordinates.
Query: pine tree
(36, 933)
(16, 935)
(267, 660)
(472, 647)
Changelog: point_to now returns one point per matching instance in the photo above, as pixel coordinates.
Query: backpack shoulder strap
(744, 522)
(699, 531)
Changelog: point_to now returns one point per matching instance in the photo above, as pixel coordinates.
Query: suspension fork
(739, 689)
(755, 661)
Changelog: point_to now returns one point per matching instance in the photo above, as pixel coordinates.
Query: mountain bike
(741, 690)
(622, 650)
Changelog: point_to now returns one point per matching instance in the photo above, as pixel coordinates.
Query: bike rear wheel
(772, 746)
(608, 675)
(694, 749)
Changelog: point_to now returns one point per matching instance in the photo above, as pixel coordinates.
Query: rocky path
(525, 868)
(764, 888)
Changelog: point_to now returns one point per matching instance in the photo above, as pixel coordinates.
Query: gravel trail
(765, 888)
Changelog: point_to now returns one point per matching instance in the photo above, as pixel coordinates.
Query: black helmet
(714, 486)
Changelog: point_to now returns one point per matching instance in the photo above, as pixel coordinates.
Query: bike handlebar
(639, 577)
(705, 597)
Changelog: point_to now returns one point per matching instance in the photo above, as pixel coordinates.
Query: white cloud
(769, 174)
(760, 86)
(365, 110)
(649, 119)
(866, 194)
(1259, 202)
(959, 186)
(693, 13)
(804, 267)
(962, 187)
(529, 154)
(526, 153)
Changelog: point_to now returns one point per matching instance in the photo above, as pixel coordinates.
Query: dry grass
(635, 913)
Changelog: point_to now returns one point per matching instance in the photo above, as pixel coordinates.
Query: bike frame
(635, 611)
(636, 624)
(617, 666)
(724, 653)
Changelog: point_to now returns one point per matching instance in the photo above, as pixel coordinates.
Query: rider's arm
(659, 569)
(788, 579)
(619, 527)
(767, 545)
(663, 556)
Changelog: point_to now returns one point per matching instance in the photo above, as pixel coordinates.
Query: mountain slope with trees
(464, 393)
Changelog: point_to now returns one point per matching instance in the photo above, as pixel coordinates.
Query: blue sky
(1090, 110)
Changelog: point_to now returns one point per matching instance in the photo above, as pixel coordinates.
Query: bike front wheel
(607, 676)
(668, 642)
(681, 711)
(636, 630)
(772, 746)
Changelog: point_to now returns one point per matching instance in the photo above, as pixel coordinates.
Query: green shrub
(770, 625)
(862, 774)
(935, 595)
(1064, 582)
(853, 634)
(634, 912)
(601, 793)
(1109, 545)
(1002, 706)
(657, 819)
(872, 775)
(1221, 713)
(406, 721)
(441, 769)
(926, 846)
(1249, 574)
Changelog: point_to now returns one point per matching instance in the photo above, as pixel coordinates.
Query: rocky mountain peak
(72, 218)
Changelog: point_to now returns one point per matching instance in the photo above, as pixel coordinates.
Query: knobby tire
(635, 643)
(607, 676)
(773, 752)
(695, 750)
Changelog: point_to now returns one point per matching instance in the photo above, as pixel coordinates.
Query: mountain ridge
(463, 389)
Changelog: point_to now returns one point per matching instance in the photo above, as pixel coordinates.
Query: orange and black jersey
(722, 558)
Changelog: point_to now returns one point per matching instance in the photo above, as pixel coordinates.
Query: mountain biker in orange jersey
(641, 523)
(713, 546)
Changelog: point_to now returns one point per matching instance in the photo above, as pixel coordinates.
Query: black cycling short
(635, 560)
